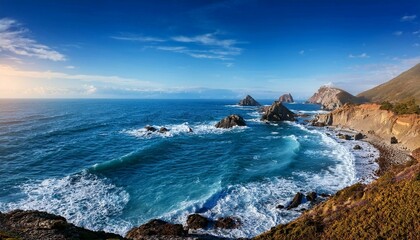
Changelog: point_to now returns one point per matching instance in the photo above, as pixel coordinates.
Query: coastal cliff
(369, 118)
(331, 98)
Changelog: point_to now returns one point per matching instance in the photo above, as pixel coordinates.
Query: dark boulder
(357, 147)
(277, 112)
(231, 121)
(394, 140)
(311, 196)
(248, 101)
(280, 206)
(196, 221)
(297, 200)
(227, 223)
(163, 130)
(30, 225)
(286, 98)
(358, 136)
(345, 137)
(150, 129)
(156, 227)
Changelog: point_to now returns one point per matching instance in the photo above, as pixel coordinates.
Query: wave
(84, 199)
(309, 111)
(182, 129)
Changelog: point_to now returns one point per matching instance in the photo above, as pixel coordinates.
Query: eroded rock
(231, 121)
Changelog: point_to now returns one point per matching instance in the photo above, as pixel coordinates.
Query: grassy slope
(386, 209)
(401, 88)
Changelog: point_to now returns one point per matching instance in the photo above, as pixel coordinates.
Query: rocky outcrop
(277, 112)
(35, 225)
(231, 121)
(286, 98)
(196, 221)
(369, 118)
(156, 227)
(331, 98)
(248, 101)
(297, 200)
(311, 196)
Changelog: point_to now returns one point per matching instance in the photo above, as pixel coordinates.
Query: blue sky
(202, 49)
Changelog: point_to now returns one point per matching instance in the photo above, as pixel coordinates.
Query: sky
(202, 49)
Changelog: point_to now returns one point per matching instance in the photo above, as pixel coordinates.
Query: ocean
(92, 162)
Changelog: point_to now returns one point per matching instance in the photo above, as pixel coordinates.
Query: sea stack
(286, 98)
(248, 101)
(277, 112)
(231, 121)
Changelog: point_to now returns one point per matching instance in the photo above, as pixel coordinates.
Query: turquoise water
(92, 162)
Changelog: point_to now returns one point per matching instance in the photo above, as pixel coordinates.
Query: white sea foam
(184, 128)
(83, 199)
(309, 111)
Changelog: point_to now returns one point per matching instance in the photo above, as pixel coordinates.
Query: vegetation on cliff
(386, 209)
(406, 107)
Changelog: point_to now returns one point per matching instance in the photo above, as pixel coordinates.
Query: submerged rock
(156, 227)
(31, 225)
(150, 129)
(196, 221)
(280, 206)
(297, 200)
(231, 121)
(357, 147)
(163, 130)
(248, 101)
(277, 112)
(227, 223)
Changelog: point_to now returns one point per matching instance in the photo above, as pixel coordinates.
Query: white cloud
(138, 38)
(363, 55)
(408, 18)
(398, 33)
(70, 67)
(90, 89)
(14, 39)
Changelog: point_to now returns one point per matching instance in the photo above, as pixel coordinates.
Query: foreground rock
(277, 112)
(156, 227)
(286, 98)
(196, 221)
(331, 98)
(248, 101)
(297, 200)
(35, 225)
(231, 121)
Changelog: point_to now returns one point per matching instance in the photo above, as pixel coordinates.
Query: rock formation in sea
(369, 118)
(156, 228)
(231, 121)
(286, 98)
(248, 101)
(331, 98)
(35, 225)
(196, 221)
(277, 112)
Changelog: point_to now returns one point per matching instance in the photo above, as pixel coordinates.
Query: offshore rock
(231, 121)
(34, 225)
(156, 227)
(297, 200)
(163, 130)
(286, 98)
(311, 196)
(277, 112)
(248, 101)
(150, 129)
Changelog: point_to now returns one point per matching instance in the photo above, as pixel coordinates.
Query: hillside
(331, 98)
(401, 88)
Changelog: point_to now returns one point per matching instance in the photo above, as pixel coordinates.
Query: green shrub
(407, 107)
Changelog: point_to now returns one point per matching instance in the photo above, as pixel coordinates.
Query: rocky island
(248, 101)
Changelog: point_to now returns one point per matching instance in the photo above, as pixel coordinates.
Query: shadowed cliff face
(385, 124)
(331, 98)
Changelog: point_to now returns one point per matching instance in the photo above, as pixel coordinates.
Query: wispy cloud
(134, 38)
(398, 33)
(302, 52)
(14, 39)
(416, 32)
(408, 18)
(70, 67)
(363, 55)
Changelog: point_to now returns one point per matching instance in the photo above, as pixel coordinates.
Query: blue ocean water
(92, 162)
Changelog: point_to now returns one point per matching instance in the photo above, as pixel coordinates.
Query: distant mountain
(286, 98)
(331, 98)
(248, 101)
(403, 87)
